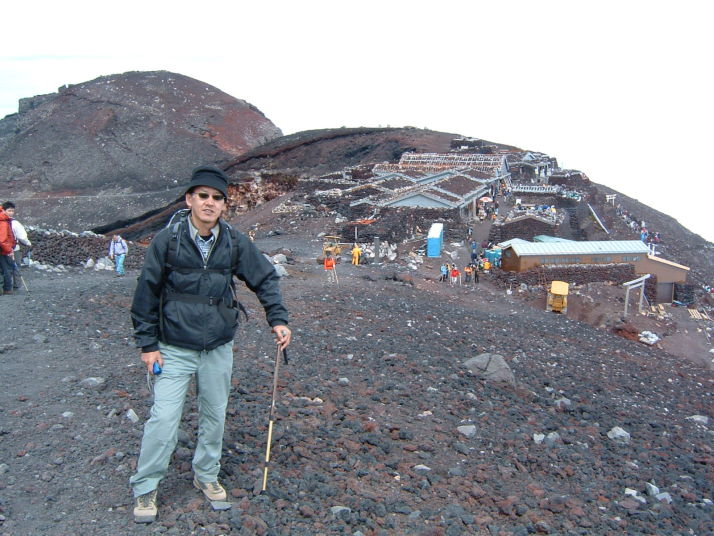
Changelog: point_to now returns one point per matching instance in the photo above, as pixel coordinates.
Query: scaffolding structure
(488, 163)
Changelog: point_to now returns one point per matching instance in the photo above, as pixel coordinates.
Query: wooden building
(668, 274)
(519, 255)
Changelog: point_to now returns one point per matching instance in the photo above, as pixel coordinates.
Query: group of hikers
(451, 273)
(13, 238)
(330, 263)
(639, 226)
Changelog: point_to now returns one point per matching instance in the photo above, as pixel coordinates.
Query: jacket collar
(194, 232)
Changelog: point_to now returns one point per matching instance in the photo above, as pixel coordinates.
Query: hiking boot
(145, 509)
(212, 490)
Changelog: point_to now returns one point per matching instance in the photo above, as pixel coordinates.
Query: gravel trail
(368, 438)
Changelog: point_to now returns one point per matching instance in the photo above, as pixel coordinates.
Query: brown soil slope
(324, 151)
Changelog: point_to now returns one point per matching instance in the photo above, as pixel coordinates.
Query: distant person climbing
(117, 252)
(443, 273)
(467, 274)
(474, 251)
(21, 238)
(455, 276)
(330, 268)
(7, 245)
(356, 252)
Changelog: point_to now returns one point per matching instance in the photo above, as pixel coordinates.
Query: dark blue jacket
(188, 303)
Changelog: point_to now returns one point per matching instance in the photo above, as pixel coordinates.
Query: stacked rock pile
(72, 249)
(575, 274)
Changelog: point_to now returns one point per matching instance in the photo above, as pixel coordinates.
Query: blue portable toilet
(434, 240)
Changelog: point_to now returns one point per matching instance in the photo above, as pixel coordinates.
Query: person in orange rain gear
(356, 252)
(330, 268)
(7, 245)
(467, 273)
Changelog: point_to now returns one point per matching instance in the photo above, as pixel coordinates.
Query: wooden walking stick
(266, 462)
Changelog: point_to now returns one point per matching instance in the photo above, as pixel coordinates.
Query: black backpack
(171, 263)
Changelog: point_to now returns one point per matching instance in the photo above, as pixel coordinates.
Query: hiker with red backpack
(185, 316)
(21, 238)
(7, 247)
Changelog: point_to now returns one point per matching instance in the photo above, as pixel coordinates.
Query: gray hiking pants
(161, 430)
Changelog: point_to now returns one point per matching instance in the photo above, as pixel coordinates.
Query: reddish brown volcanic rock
(121, 136)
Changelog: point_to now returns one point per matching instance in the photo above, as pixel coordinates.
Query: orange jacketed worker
(356, 252)
(330, 266)
(467, 273)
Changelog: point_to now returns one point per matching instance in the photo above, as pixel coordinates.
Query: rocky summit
(119, 145)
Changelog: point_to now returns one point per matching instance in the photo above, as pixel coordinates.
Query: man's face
(206, 204)
(10, 212)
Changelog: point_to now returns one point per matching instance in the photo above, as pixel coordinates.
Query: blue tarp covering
(493, 254)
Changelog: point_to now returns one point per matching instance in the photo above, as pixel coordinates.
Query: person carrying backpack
(329, 264)
(117, 252)
(185, 316)
(20, 238)
(7, 245)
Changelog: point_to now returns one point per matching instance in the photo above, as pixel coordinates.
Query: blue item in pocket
(157, 368)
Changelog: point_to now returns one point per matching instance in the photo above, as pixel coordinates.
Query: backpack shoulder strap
(174, 240)
(175, 227)
(232, 236)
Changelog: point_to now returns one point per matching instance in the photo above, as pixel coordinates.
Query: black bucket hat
(209, 176)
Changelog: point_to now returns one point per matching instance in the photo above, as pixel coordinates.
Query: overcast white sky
(621, 90)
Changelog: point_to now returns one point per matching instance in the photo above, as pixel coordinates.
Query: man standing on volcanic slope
(185, 316)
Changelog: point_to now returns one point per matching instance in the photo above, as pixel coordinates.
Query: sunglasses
(204, 196)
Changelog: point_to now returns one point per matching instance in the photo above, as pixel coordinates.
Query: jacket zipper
(205, 267)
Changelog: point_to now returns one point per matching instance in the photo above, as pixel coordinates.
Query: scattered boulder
(619, 435)
(401, 278)
(468, 430)
(93, 382)
(280, 270)
(491, 367)
(699, 419)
